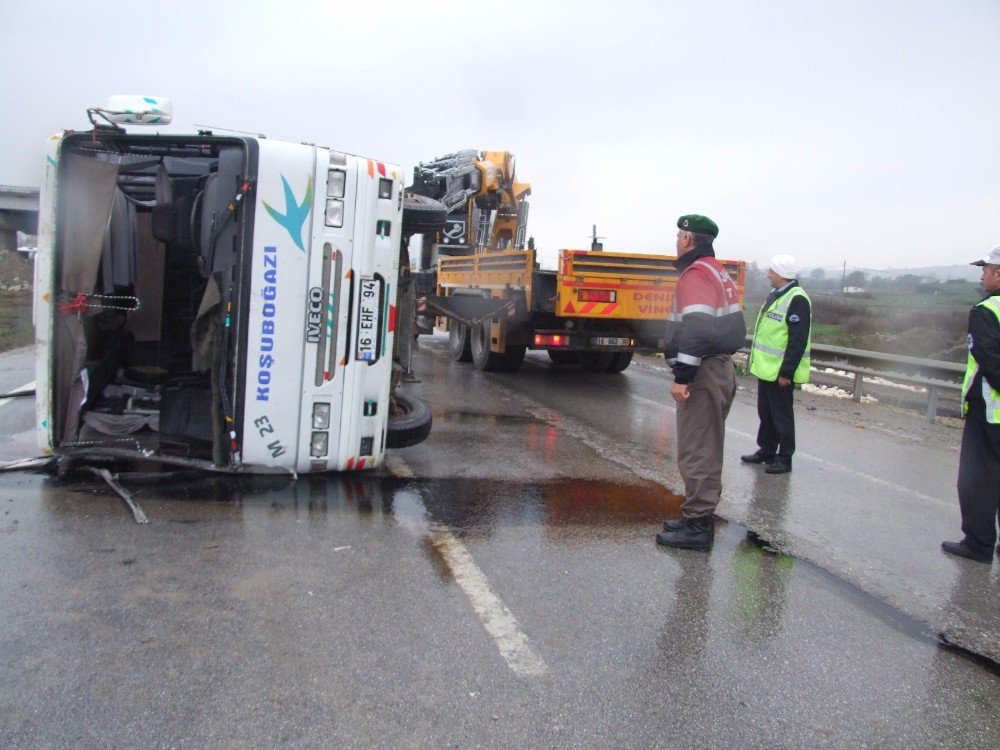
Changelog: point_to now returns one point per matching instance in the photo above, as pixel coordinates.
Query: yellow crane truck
(485, 287)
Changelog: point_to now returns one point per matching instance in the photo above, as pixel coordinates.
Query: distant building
(18, 213)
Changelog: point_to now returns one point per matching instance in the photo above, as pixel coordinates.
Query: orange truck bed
(623, 286)
(596, 300)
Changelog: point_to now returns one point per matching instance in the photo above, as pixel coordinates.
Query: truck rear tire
(562, 357)
(620, 361)
(482, 357)
(458, 341)
(514, 358)
(595, 361)
(413, 423)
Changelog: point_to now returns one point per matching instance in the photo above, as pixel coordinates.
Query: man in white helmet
(779, 358)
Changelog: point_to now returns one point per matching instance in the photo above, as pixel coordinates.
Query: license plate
(611, 341)
(369, 309)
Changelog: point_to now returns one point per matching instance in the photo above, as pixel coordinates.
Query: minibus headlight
(319, 444)
(334, 213)
(335, 181)
(321, 416)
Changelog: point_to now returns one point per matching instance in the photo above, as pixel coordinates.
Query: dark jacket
(691, 334)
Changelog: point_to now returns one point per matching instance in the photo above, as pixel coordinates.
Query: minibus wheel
(409, 421)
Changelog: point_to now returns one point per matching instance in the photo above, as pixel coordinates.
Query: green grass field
(832, 334)
(927, 324)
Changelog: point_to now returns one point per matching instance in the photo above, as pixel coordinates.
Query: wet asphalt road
(497, 586)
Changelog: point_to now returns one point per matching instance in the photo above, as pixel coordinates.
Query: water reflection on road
(547, 602)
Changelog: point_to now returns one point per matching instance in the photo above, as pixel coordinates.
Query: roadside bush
(931, 332)
(15, 320)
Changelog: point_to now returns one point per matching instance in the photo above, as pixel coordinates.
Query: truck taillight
(551, 339)
(596, 295)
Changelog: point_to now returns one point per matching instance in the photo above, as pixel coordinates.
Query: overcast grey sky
(864, 132)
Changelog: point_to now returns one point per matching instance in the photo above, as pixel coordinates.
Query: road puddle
(461, 503)
(479, 417)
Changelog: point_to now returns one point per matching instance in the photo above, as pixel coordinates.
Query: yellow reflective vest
(770, 339)
(990, 395)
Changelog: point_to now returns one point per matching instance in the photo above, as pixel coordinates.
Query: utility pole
(594, 244)
(843, 281)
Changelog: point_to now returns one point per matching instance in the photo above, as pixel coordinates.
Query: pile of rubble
(16, 272)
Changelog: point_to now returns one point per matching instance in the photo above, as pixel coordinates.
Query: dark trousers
(776, 434)
(979, 480)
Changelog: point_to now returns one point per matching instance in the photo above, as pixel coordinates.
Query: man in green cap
(704, 330)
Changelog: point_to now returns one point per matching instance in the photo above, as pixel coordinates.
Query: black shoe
(674, 524)
(757, 458)
(779, 466)
(960, 549)
(696, 533)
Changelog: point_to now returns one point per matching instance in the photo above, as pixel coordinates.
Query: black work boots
(780, 465)
(688, 533)
(964, 549)
(775, 464)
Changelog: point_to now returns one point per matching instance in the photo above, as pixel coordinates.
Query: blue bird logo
(295, 213)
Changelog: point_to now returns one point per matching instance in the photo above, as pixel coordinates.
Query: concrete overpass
(18, 213)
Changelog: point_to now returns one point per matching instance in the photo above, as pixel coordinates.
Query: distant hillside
(941, 273)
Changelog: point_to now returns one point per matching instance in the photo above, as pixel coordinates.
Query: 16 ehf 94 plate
(369, 314)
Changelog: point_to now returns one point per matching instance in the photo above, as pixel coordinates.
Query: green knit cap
(698, 224)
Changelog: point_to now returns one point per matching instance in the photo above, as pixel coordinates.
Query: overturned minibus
(220, 301)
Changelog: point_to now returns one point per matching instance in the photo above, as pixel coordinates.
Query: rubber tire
(422, 215)
(514, 358)
(595, 361)
(459, 342)
(562, 357)
(412, 426)
(482, 357)
(620, 361)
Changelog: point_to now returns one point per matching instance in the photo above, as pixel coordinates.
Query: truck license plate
(368, 319)
(611, 341)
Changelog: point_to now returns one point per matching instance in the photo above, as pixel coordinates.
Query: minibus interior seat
(118, 267)
(217, 230)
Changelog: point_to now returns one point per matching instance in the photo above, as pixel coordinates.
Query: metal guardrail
(934, 375)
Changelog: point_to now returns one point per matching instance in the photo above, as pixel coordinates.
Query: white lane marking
(862, 475)
(833, 465)
(25, 387)
(498, 621)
